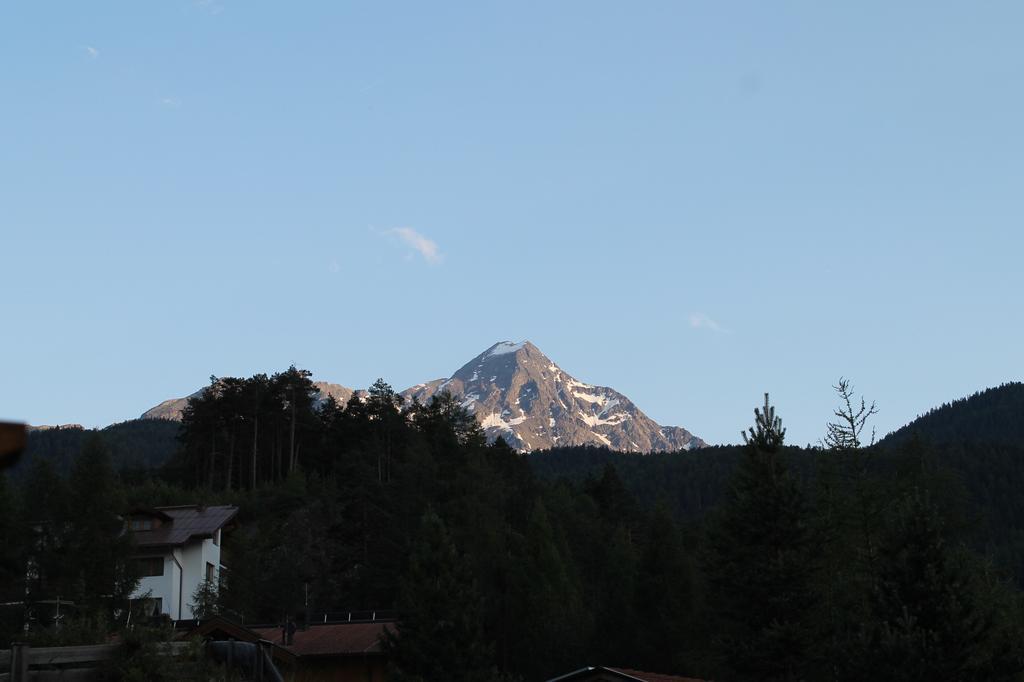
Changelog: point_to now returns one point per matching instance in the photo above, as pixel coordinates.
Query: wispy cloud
(427, 248)
(172, 102)
(702, 321)
(91, 51)
(210, 6)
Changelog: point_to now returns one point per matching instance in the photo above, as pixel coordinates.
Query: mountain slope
(171, 409)
(136, 444)
(994, 416)
(518, 393)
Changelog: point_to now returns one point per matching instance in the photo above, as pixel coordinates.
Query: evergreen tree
(614, 503)
(43, 511)
(614, 598)
(12, 563)
(439, 636)
(760, 564)
(551, 623)
(96, 537)
(447, 423)
(664, 596)
(205, 599)
(295, 401)
(932, 613)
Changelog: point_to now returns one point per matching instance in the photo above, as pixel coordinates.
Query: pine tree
(760, 565)
(613, 601)
(664, 599)
(448, 424)
(614, 503)
(96, 536)
(43, 510)
(439, 636)
(932, 614)
(205, 599)
(767, 434)
(12, 562)
(549, 621)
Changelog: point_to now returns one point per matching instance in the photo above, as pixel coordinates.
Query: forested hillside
(753, 562)
(136, 445)
(994, 416)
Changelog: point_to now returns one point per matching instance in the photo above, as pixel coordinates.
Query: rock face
(340, 393)
(172, 409)
(518, 393)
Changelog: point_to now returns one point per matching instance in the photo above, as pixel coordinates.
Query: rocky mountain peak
(518, 393)
(515, 391)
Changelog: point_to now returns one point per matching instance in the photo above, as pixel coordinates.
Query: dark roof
(615, 674)
(654, 677)
(187, 522)
(151, 511)
(220, 628)
(331, 639)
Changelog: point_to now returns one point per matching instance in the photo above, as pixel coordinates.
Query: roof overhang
(149, 511)
(596, 672)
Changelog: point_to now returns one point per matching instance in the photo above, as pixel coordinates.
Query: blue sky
(691, 202)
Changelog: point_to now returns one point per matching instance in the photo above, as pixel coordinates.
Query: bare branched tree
(845, 433)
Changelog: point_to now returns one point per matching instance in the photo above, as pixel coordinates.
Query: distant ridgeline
(140, 444)
(988, 424)
(994, 416)
(980, 437)
(975, 445)
(978, 441)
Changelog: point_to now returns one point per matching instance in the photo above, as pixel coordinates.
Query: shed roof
(186, 522)
(603, 674)
(220, 628)
(331, 639)
(654, 677)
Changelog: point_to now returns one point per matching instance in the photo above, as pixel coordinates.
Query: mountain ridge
(996, 412)
(518, 393)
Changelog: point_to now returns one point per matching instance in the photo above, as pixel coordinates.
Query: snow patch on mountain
(596, 420)
(504, 348)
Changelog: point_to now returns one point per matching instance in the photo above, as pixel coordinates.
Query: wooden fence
(63, 663)
(83, 663)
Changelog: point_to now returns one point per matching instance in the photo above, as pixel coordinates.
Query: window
(142, 524)
(149, 607)
(150, 566)
(210, 572)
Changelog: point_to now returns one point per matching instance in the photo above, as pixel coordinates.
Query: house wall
(177, 585)
(196, 555)
(165, 587)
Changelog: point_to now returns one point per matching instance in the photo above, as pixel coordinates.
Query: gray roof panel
(187, 522)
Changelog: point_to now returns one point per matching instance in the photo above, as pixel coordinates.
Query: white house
(177, 548)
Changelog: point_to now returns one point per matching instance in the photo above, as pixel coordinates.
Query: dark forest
(898, 560)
